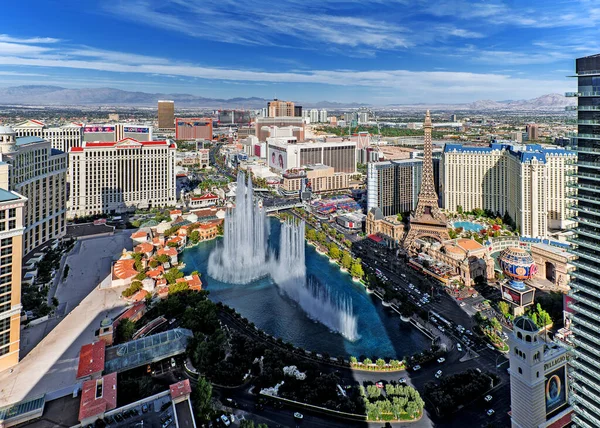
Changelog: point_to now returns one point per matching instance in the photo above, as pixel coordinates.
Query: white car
(438, 374)
(441, 360)
(417, 367)
(488, 398)
(489, 345)
(298, 415)
(225, 420)
(462, 304)
(459, 347)
(490, 412)
(411, 286)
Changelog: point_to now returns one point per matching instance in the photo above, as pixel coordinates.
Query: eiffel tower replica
(427, 220)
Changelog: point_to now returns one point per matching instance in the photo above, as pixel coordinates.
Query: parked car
(461, 304)
(417, 367)
(490, 412)
(441, 360)
(488, 398)
(459, 347)
(402, 380)
(225, 420)
(438, 374)
(489, 345)
(298, 415)
(379, 384)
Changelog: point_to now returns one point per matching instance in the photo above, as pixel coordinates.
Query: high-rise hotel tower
(585, 287)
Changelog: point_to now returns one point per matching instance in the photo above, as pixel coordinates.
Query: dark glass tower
(585, 284)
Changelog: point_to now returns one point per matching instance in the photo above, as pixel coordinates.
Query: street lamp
(502, 363)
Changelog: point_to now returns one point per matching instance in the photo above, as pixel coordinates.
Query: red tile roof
(180, 389)
(161, 282)
(155, 272)
(139, 234)
(139, 296)
(132, 311)
(194, 282)
(375, 238)
(37, 122)
(175, 212)
(168, 251)
(77, 149)
(91, 359)
(206, 196)
(93, 404)
(144, 247)
(124, 269)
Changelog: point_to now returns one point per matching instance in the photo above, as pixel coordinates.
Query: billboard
(555, 391)
(518, 297)
(278, 159)
(136, 129)
(99, 129)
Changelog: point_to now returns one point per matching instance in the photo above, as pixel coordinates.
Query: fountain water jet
(244, 257)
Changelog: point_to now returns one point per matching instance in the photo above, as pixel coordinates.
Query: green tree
(125, 330)
(452, 233)
(178, 287)
(139, 266)
(201, 398)
(380, 363)
(311, 235)
(140, 276)
(459, 209)
(399, 217)
(220, 229)
(353, 360)
(132, 289)
(153, 264)
(334, 251)
(367, 361)
(194, 237)
(346, 260)
(357, 271)
(503, 307)
(162, 258)
(246, 423)
(172, 275)
(321, 237)
(373, 392)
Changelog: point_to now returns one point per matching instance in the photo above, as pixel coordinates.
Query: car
(167, 423)
(417, 367)
(419, 304)
(438, 374)
(298, 415)
(460, 328)
(440, 328)
(459, 347)
(462, 304)
(489, 345)
(441, 360)
(232, 417)
(478, 369)
(411, 286)
(488, 398)
(402, 380)
(490, 412)
(402, 275)
(225, 420)
(379, 384)
(469, 332)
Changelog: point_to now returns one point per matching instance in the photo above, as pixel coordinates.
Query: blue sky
(372, 51)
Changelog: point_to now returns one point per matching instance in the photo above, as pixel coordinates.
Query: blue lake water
(468, 225)
(381, 331)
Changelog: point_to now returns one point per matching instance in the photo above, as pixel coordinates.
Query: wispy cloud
(7, 38)
(432, 84)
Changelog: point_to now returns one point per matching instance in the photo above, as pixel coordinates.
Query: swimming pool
(468, 225)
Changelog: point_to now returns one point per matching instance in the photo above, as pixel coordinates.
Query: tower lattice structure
(427, 220)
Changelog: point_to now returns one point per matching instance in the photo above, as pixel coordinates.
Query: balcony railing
(581, 378)
(586, 198)
(587, 221)
(584, 108)
(588, 165)
(577, 185)
(580, 422)
(588, 122)
(581, 321)
(587, 176)
(581, 366)
(580, 332)
(590, 150)
(590, 279)
(571, 94)
(571, 108)
(587, 301)
(586, 244)
(585, 266)
(586, 136)
(583, 410)
(586, 94)
(593, 315)
(588, 233)
(591, 393)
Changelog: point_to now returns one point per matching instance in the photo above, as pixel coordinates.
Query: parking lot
(157, 413)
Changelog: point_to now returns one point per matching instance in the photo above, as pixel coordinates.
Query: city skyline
(371, 51)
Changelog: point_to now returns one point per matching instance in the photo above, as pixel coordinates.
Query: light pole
(502, 363)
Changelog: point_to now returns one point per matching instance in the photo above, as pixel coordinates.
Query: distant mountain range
(40, 95)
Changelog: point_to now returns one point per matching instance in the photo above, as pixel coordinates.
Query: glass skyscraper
(585, 285)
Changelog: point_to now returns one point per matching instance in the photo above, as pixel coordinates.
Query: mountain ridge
(48, 95)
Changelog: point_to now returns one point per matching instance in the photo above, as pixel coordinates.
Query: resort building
(62, 137)
(12, 207)
(585, 287)
(116, 132)
(339, 155)
(39, 173)
(530, 183)
(387, 227)
(394, 186)
(194, 129)
(277, 108)
(121, 176)
(262, 125)
(166, 114)
(317, 178)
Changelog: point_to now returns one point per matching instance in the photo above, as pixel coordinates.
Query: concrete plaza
(52, 348)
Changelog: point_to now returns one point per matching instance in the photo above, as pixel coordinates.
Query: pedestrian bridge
(275, 208)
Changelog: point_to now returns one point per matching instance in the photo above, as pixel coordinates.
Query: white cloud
(7, 38)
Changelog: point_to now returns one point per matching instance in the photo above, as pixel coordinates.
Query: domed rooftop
(7, 130)
(517, 264)
(526, 324)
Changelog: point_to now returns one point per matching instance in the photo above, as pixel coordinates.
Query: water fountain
(244, 257)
